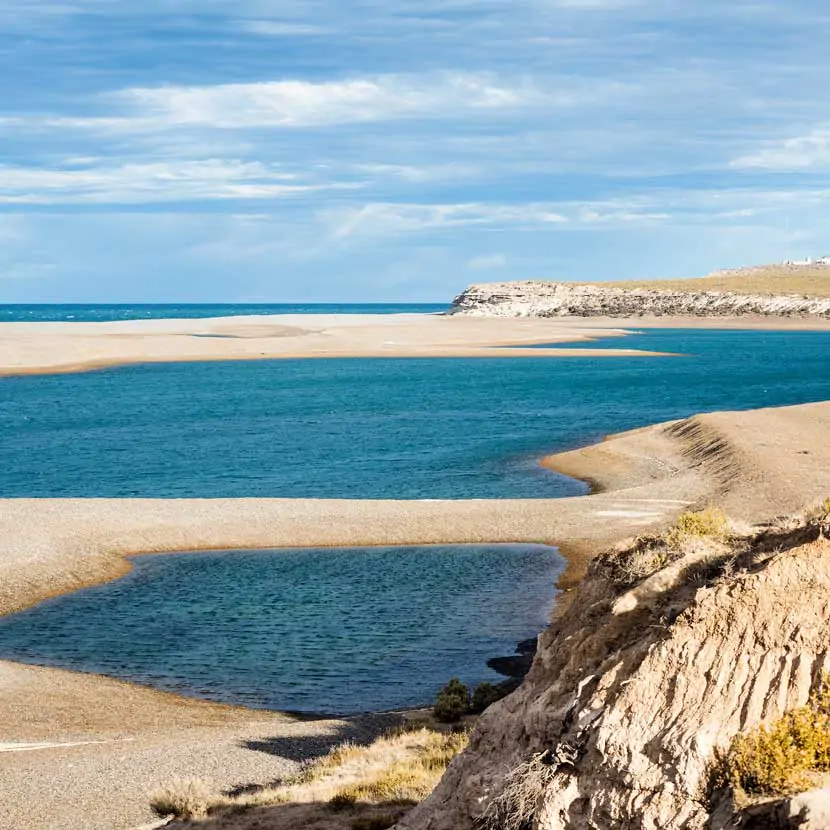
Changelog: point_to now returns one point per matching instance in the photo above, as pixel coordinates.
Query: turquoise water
(322, 631)
(105, 313)
(435, 428)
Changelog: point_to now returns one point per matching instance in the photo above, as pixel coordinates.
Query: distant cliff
(560, 299)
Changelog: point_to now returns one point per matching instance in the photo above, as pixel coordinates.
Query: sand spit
(129, 739)
(46, 348)
(51, 348)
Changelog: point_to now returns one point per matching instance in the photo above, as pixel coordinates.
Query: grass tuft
(184, 799)
(710, 523)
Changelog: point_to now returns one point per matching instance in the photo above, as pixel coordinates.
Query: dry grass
(187, 799)
(399, 769)
(813, 281)
(515, 808)
(780, 758)
(710, 523)
(411, 779)
(701, 532)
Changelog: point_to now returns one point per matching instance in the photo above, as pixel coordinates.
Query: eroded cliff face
(559, 299)
(636, 682)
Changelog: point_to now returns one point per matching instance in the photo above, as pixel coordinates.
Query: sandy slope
(757, 464)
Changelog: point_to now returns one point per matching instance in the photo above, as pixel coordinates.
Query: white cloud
(799, 153)
(150, 182)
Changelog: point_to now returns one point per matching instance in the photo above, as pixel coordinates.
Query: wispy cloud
(299, 103)
(149, 183)
(798, 153)
(381, 219)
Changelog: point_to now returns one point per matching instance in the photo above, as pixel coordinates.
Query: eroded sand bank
(120, 740)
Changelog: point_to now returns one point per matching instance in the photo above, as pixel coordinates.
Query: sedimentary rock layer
(559, 299)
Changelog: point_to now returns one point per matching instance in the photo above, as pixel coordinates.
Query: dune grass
(397, 770)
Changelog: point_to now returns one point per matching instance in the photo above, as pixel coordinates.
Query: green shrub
(485, 694)
(452, 702)
(779, 758)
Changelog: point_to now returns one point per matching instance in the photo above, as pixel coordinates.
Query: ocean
(110, 312)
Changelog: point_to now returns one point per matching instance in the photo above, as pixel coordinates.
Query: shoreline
(74, 347)
(753, 464)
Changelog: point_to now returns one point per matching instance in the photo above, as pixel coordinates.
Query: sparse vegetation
(452, 702)
(710, 522)
(397, 770)
(780, 758)
(701, 531)
(769, 279)
(187, 799)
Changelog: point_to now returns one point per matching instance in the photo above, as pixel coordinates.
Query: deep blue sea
(351, 428)
(105, 313)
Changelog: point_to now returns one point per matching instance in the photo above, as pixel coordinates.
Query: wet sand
(117, 741)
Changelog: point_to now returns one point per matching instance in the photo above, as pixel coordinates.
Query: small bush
(184, 799)
(452, 702)
(710, 522)
(485, 694)
(779, 758)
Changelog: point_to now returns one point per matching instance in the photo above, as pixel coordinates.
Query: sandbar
(47, 348)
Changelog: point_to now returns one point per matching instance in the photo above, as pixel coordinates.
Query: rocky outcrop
(560, 299)
(636, 683)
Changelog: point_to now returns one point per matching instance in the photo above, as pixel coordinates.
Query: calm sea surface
(358, 428)
(328, 631)
(105, 313)
(344, 630)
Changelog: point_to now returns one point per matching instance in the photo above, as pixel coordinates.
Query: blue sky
(335, 150)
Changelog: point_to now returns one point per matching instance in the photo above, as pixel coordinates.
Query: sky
(399, 150)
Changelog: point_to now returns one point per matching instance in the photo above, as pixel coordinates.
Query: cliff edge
(561, 299)
(664, 653)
